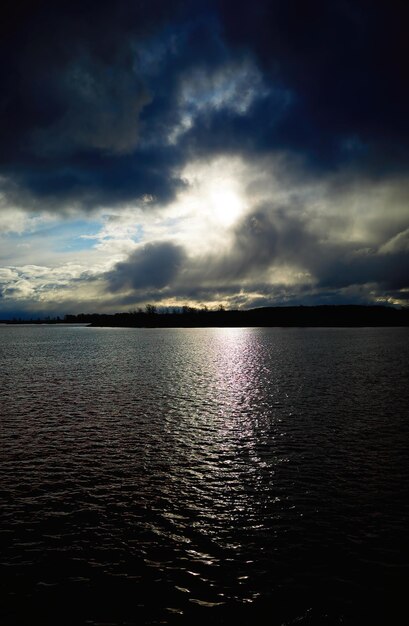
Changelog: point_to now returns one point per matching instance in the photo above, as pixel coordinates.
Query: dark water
(204, 476)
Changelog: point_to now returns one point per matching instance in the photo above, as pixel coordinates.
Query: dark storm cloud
(92, 179)
(92, 92)
(155, 265)
(346, 63)
(283, 237)
(72, 100)
(389, 271)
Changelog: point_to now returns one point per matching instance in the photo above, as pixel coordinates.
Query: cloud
(33, 287)
(73, 96)
(345, 63)
(298, 242)
(153, 265)
(100, 106)
(288, 238)
(248, 152)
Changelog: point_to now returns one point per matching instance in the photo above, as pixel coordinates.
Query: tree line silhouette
(187, 316)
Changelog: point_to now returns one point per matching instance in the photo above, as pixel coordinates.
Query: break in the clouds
(202, 152)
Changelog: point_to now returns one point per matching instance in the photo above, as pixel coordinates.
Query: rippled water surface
(252, 476)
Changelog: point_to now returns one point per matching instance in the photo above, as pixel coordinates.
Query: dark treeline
(341, 315)
(35, 320)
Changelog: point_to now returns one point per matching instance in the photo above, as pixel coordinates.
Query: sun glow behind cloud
(226, 205)
(212, 202)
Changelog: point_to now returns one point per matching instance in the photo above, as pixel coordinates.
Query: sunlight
(216, 188)
(225, 205)
(206, 210)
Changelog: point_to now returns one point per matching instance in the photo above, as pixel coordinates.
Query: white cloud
(233, 87)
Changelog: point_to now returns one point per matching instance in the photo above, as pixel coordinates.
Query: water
(198, 476)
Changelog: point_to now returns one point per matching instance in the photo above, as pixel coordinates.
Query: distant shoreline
(336, 316)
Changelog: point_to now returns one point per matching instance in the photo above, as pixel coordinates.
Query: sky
(203, 152)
